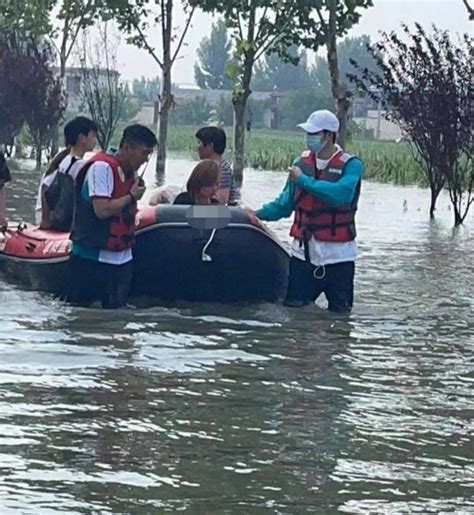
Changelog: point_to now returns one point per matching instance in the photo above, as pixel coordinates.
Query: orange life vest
(313, 216)
(117, 232)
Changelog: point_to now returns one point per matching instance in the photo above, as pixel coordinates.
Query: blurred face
(204, 151)
(91, 141)
(317, 141)
(136, 155)
(208, 192)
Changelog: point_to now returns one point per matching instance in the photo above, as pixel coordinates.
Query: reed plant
(387, 162)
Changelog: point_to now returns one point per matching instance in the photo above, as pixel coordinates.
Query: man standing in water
(323, 191)
(107, 191)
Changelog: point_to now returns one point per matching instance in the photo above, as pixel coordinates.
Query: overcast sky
(386, 15)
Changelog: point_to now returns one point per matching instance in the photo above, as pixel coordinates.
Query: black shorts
(88, 281)
(307, 282)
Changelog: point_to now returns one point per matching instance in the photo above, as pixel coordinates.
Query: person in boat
(55, 202)
(211, 144)
(4, 178)
(107, 189)
(202, 185)
(323, 191)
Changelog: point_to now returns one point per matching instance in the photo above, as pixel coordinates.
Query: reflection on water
(251, 408)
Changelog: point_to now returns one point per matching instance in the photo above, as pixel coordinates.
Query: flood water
(251, 408)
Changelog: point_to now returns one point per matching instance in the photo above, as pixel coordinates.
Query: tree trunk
(239, 139)
(338, 89)
(164, 109)
(38, 151)
(434, 198)
(239, 101)
(55, 131)
(166, 96)
(458, 218)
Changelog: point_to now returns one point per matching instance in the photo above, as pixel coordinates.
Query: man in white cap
(323, 192)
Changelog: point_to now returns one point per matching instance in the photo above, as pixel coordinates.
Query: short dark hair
(213, 135)
(138, 134)
(76, 127)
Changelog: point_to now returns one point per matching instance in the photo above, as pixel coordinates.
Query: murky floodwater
(251, 408)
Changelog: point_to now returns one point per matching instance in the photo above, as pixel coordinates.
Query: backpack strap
(74, 159)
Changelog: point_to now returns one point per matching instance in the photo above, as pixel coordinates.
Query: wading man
(323, 192)
(107, 191)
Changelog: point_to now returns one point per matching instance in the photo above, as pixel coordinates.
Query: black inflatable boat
(196, 253)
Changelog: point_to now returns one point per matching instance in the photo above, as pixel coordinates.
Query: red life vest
(117, 232)
(313, 216)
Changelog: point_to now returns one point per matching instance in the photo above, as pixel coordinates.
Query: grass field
(275, 150)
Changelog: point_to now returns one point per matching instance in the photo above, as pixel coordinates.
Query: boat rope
(204, 255)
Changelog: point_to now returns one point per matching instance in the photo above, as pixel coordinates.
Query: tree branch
(145, 43)
(183, 35)
(470, 10)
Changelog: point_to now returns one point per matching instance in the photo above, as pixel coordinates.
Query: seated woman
(202, 185)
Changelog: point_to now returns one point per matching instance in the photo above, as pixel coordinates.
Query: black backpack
(60, 199)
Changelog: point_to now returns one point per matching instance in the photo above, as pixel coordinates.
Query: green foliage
(297, 106)
(192, 112)
(387, 162)
(146, 90)
(131, 106)
(314, 25)
(27, 16)
(277, 73)
(214, 53)
(257, 27)
(348, 49)
(39, 18)
(426, 87)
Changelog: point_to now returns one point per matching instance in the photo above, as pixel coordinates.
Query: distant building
(271, 117)
(376, 122)
(73, 79)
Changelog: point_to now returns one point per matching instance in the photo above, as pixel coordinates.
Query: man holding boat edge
(323, 191)
(103, 230)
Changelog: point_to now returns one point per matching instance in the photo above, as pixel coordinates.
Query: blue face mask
(314, 143)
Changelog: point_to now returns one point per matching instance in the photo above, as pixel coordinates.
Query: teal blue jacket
(333, 193)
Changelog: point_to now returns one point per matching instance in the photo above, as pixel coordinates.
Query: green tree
(275, 72)
(102, 91)
(296, 105)
(348, 49)
(214, 53)
(12, 109)
(321, 22)
(59, 21)
(135, 18)
(426, 87)
(257, 27)
(146, 90)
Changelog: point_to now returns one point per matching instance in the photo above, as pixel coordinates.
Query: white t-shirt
(325, 252)
(100, 183)
(47, 180)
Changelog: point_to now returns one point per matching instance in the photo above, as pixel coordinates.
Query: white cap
(322, 120)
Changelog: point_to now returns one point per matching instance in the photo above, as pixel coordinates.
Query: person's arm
(106, 207)
(335, 193)
(100, 180)
(222, 195)
(281, 207)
